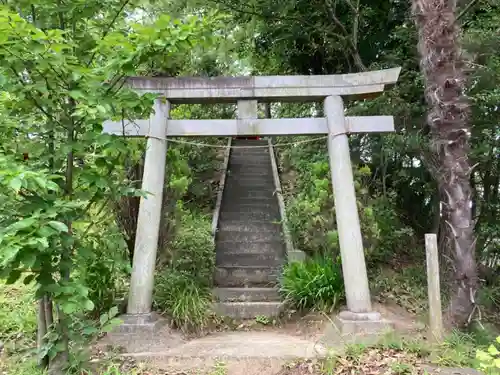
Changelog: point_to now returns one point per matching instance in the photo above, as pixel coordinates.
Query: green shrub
(193, 248)
(183, 287)
(105, 270)
(489, 360)
(394, 236)
(313, 284)
(184, 300)
(310, 200)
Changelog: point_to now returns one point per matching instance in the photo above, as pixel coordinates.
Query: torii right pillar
(359, 317)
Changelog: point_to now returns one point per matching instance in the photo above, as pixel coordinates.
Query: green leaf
(22, 224)
(90, 330)
(493, 350)
(113, 311)
(41, 182)
(88, 305)
(496, 362)
(103, 319)
(28, 279)
(112, 324)
(57, 225)
(483, 356)
(29, 258)
(69, 307)
(101, 162)
(16, 184)
(13, 276)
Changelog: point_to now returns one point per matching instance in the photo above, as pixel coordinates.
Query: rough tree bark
(443, 69)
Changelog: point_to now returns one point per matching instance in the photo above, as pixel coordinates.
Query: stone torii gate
(247, 92)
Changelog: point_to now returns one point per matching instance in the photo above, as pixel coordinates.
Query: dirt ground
(297, 328)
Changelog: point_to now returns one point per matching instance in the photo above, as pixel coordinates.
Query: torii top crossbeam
(256, 89)
(196, 90)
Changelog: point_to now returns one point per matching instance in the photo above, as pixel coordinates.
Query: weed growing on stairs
(219, 369)
(262, 319)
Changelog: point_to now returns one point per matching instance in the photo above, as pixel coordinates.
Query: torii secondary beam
(246, 127)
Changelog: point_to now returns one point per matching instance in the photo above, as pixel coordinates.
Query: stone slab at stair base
(352, 327)
(248, 310)
(139, 323)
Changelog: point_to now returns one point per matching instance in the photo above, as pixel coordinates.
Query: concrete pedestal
(348, 327)
(350, 323)
(140, 323)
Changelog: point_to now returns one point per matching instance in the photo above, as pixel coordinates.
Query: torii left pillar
(139, 315)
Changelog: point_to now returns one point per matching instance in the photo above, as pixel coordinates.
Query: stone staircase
(250, 250)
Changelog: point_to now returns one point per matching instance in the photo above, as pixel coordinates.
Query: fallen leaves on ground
(373, 361)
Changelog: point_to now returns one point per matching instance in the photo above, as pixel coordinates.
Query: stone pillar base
(140, 323)
(349, 327)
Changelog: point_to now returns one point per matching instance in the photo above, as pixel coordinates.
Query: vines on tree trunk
(443, 69)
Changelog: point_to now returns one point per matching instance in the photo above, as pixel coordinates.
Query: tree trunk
(442, 67)
(41, 332)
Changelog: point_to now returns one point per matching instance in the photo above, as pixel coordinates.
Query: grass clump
(314, 284)
(186, 302)
(18, 319)
(20, 365)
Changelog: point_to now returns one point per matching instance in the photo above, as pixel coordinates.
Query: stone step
(233, 203)
(275, 247)
(248, 310)
(229, 215)
(254, 161)
(246, 294)
(235, 188)
(231, 276)
(249, 157)
(254, 227)
(252, 142)
(257, 183)
(250, 163)
(250, 194)
(263, 174)
(249, 167)
(245, 181)
(266, 173)
(263, 184)
(250, 154)
(254, 206)
(240, 259)
(227, 235)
